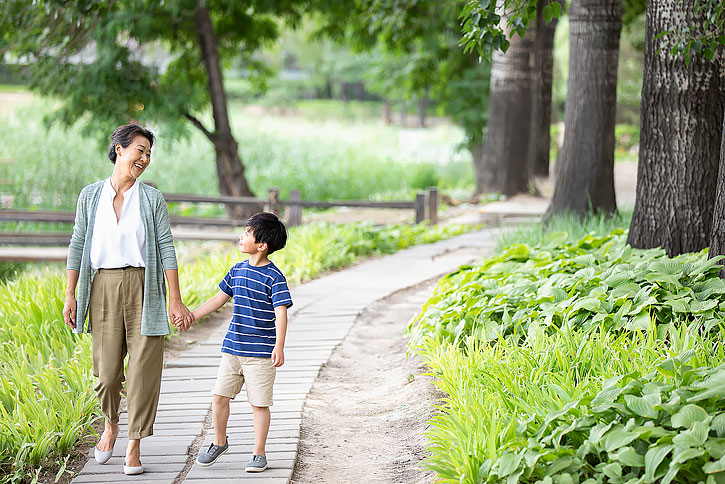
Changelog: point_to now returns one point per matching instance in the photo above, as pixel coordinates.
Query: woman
(119, 252)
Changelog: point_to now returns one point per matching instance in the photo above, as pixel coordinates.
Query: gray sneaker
(210, 455)
(257, 463)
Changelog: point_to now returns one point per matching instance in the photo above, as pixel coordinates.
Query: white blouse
(123, 243)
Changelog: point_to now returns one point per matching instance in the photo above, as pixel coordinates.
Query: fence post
(274, 200)
(419, 207)
(295, 211)
(433, 205)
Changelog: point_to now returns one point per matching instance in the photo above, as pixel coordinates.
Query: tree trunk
(541, 115)
(681, 131)
(585, 169)
(505, 158)
(230, 170)
(717, 232)
(422, 105)
(388, 113)
(479, 171)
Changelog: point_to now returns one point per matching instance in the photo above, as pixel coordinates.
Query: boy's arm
(280, 314)
(210, 305)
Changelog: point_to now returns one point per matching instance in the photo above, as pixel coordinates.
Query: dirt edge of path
(368, 410)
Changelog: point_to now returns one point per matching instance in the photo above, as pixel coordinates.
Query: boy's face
(247, 244)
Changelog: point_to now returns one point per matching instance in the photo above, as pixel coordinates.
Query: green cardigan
(160, 256)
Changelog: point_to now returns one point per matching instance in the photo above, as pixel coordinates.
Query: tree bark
(681, 132)
(717, 232)
(541, 115)
(505, 158)
(230, 170)
(422, 105)
(585, 169)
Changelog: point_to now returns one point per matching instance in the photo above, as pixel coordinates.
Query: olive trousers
(115, 309)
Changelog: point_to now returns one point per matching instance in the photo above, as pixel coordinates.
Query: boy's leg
(261, 417)
(220, 417)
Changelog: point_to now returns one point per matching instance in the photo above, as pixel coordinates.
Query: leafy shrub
(667, 426)
(546, 359)
(595, 281)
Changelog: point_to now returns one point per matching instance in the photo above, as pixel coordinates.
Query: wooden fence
(294, 206)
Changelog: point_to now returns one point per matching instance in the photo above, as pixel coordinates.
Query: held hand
(69, 311)
(277, 357)
(180, 315)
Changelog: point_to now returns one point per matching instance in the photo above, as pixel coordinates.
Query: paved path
(324, 311)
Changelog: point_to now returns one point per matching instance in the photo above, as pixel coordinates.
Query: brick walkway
(324, 311)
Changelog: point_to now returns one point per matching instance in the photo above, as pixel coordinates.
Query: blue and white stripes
(256, 292)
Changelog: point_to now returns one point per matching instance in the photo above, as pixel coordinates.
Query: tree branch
(198, 124)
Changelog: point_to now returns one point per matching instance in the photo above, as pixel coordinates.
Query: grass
(46, 384)
(521, 359)
(325, 159)
(575, 227)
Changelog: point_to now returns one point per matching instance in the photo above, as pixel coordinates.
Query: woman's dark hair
(268, 229)
(123, 135)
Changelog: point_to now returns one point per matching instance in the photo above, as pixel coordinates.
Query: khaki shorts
(258, 373)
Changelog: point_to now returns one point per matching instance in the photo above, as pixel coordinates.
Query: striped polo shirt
(256, 292)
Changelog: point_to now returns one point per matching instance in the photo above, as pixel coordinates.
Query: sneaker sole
(207, 464)
(255, 469)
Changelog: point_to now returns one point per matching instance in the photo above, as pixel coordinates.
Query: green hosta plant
(595, 281)
(667, 426)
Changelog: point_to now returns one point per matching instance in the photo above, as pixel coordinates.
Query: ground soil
(366, 415)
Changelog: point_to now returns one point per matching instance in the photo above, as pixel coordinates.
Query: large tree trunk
(505, 159)
(230, 170)
(479, 172)
(682, 118)
(585, 169)
(717, 232)
(541, 115)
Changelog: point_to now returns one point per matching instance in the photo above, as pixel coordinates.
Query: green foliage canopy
(418, 54)
(133, 59)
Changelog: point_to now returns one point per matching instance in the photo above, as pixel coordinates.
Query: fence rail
(294, 207)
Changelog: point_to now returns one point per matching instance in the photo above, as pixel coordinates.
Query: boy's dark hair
(123, 135)
(268, 229)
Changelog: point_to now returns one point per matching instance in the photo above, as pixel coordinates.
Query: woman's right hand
(69, 311)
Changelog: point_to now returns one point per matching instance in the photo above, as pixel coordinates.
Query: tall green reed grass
(324, 159)
(46, 386)
(491, 388)
(573, 225)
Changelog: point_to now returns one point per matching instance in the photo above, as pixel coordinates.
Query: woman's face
(134, 158)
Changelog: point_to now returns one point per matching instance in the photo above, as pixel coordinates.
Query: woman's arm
(71, 305)
(177, 310)
(73, 264)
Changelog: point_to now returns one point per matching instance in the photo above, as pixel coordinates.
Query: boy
(254, 344)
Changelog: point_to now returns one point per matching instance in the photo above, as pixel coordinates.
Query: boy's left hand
(277, 357)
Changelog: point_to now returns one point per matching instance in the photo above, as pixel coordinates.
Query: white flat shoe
(103, 456)
(132, 471)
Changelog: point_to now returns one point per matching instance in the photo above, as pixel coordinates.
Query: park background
(378, 101)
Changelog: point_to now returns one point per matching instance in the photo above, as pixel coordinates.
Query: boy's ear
(262, 247)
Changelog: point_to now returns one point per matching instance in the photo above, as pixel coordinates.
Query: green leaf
(559, 464)
(640, 406)
(596, 432)
(686, 454)
(652, 459)
(688, 415)
(718, 424)
(618, 437)
(630, 457)
(613, 470)
(508, 463)
(713, 467)
(548, 13)
(606, 396)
